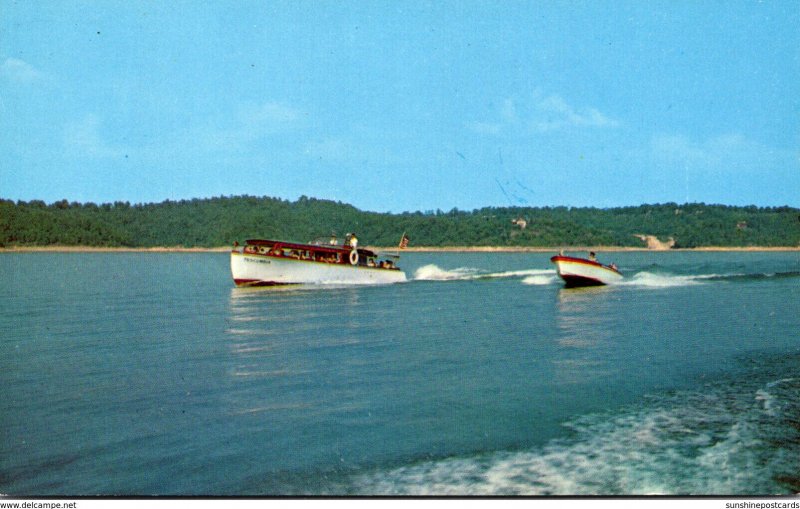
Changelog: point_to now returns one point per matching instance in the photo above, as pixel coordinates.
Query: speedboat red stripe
(581, 261)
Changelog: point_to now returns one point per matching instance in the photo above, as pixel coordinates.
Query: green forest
(215, 222)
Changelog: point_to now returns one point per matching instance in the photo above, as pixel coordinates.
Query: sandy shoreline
(91, 249)
(419, 249)
(578, 249)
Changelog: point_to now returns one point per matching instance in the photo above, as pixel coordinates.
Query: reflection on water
(584, 331)
(582, 316)
(280, 338)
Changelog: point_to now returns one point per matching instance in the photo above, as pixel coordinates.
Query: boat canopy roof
(318, 248)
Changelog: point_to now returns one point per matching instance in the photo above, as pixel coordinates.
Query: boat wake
(758, 276)
(725, 439)
(542, 277)
(659, 280)
(433, 272)
(654, 280)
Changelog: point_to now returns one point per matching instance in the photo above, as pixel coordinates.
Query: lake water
(150, 374)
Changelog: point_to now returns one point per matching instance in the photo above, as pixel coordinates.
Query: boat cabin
(317, 253)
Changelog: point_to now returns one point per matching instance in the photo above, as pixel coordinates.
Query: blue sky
(402, 106)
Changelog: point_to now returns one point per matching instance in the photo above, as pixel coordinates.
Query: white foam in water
(517, 273)
(767, 399)
(435, 273)
(542, 279)
(686, 444)
(649, 279)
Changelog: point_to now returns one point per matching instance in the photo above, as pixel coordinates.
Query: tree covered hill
(220, 221)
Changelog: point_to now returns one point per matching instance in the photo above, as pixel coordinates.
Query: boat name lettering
(256, 260)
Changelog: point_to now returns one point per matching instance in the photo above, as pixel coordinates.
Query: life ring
(353, 257)
(262, 249)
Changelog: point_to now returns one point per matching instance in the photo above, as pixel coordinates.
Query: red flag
(404, 241)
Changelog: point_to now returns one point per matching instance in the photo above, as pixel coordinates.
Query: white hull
(259, 270)
(580, 272)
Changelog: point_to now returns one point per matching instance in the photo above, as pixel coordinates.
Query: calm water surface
(149, 373)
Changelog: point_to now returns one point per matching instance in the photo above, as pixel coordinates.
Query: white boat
(585, 272)
(271, 262)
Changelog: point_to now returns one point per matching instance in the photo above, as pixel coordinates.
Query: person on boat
(353, 241)
(592, 256)
(333, 241)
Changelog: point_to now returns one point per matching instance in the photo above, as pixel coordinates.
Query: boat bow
(584, 272)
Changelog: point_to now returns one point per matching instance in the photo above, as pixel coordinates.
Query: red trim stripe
(257, 282)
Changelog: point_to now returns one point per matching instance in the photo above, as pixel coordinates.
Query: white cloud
(241, 130)
(541, 114)
(83, 137)
(725, 168)
(727, 152)
(553, 112)
(20, 71)
(676, 148)
(251, 123)
(269, 117)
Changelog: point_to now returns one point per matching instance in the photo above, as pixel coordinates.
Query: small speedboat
(585, 271)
